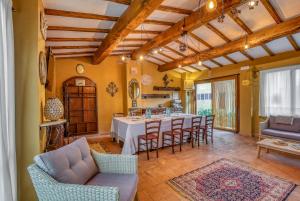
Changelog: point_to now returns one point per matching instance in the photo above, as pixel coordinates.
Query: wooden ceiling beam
(158, 59)
(77, 29)
(70, 56)
(229, 59)
(293, 42)
(130, 45)
(258, 38)
(73, 47)
(135, 14)
(137, 39)
(271, 11)
(199, 17)
(174, 10)
(145, 32)
(73, 53)
(268, 50)
(238, 21)
(216, 63)
(216, 31)
(165, 55)
(197, 69)
(56, 39)
(64, 13)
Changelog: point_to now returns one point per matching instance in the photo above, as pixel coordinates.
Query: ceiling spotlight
(155, 51)
(179, 65)
(246, 46)
(211, 5)
(141, 58)
(160, 49)
(252, 3)
(199, 63)
(123, 58)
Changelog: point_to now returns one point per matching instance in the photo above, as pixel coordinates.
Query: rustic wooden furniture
(270, 144)
(80, 102)
(54, 134)
(194, 131)
(175, 133)
(208, 128)
(152, 130)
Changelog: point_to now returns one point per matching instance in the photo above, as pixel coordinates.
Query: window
(280, 91)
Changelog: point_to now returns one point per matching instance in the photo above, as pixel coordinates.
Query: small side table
(55, 138)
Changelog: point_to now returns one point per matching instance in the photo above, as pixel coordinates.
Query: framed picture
(43, 69)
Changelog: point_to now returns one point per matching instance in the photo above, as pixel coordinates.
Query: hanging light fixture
(155, 51)
(160, 49)
(252, 4)
(246, 46)
(199, 63)
(211, 5)
(179, 65)
(123, 58)
(222, 16)
(141, 57)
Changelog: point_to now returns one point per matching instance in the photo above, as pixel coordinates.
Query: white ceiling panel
(229, 28)
(199, 67)
(257, 52)
(71, 43)
(152, 27)
(140, 35)
(185, 4)
(74, 34)
(78, 22)
(73, 50)
(165, 16)
(257, 18)
(210, 64)
(286, 9)
(297, 38)
(237, 56)
(126, 48)
(77, 55)
(178, 70)
(99, 7)
(166, 59)
(280, 45)
(209, 36)
(154, 60)
(222, 60)
(189, 69)
(132, 42)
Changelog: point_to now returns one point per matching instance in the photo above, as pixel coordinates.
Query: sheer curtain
(280, 91)
(7, 105)
(224, 103)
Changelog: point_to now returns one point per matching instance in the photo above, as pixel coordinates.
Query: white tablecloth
(127, 129)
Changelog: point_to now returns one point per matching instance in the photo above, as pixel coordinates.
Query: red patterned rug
(226, 180)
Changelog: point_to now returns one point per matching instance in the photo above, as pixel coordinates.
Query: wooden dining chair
(152, 130)
(193, 133)
(174, 134)
(208, 128)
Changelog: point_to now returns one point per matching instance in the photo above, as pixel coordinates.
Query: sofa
(76, 173)
(281, 127)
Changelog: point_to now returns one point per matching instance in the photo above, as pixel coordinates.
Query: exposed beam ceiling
(54, 39)
(258, 38)
(135, 14)
(196, 19)
(73, 53)
(74, 47)
(78, 29)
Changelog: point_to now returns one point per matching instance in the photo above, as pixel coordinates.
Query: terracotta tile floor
(154, 174)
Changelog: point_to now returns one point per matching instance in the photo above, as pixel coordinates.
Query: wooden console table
(54, 133)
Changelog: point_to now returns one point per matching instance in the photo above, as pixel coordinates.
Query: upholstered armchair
(74, 173)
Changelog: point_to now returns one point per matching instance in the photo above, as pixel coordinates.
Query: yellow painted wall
(30, 94)
(111, 69)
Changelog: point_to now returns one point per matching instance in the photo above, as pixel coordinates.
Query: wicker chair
(118, 171)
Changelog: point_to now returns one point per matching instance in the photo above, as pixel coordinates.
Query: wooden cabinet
(80, 101)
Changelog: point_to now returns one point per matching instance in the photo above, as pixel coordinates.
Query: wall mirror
(134, 91)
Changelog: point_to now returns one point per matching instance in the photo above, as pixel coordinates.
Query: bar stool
(152, 130)
(194, 130)
(208, 128)
(175, 133)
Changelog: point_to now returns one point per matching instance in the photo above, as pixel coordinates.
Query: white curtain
(279, 91)
(8, 184)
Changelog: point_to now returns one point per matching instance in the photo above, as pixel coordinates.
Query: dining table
(127, 129)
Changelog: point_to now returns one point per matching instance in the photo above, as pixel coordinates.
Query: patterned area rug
(226, 180)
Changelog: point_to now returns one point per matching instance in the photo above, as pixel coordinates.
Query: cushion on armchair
(72, 164)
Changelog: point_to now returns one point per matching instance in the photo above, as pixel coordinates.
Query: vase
(53, 109)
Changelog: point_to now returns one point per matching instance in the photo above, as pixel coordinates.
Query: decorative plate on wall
(43, 25)
(147, 80)
(43, 68)
(80, 68)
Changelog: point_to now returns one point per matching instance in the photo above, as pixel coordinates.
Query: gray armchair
(73, 173)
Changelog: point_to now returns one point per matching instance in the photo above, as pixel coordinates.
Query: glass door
(204, 99)
(219, 97)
